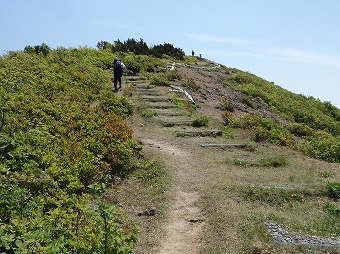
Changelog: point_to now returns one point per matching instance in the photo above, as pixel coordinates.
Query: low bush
(334, 189)
(117, 105)
(333, 209)
(200, 121)
(323, 146)
(228, 132)
(326, 174)
(300, 129)
(159, 80)
(267, 129)
(247, 101)
(228, 119)
(172, 75)
(189, 83)
(56, 147)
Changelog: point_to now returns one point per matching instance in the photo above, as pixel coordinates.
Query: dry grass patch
(142, 192)
(237, 212)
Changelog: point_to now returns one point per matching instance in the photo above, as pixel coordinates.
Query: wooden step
(155, 98)
(198, 133)
(239, 146)
(166, 112)
(174, 121)
(224, 145)
(161, 105)
(177, 123)
(145, 91)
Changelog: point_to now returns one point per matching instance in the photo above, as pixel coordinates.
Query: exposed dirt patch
(212, 93)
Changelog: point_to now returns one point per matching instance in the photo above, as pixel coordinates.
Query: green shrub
(228, 132)
(55, 147)
(184, 104)
(248, 102)
(200, 121)
(334, 189)
(189, 83)
(300, 129)
(172, 75)
(326, 174)
(226, 105)
(70, 226)
(267, 129)
(159, 80)
(333, 209)
(114, 104)
(228, 119)
(322, 146)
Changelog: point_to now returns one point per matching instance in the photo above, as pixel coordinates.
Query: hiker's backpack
(118, 66)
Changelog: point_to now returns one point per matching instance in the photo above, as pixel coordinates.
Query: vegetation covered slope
(63, 139)
(313, 125)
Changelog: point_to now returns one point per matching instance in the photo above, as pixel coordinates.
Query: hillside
(247, 168)
(225, 192)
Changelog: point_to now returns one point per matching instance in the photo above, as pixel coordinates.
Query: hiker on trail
(192, 53)
(118, 69)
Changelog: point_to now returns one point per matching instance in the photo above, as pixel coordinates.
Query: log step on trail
(177, 123)
(161, 105)
(165, 112)
(143, 86)
(198, 133)
(145, 91)
(241, 146)
(155, 98)
(173, 118)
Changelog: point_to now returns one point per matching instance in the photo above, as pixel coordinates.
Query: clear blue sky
(294, 43)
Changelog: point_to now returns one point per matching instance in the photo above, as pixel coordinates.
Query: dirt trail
(184, 219)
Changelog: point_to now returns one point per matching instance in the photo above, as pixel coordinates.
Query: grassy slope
(63, 140)
(53, 143)
(237, 198)
(315, 122)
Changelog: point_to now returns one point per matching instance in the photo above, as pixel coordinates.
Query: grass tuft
(148, 113)
(200, 121)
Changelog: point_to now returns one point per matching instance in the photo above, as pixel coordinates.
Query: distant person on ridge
(118, 69)
(192, 53)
